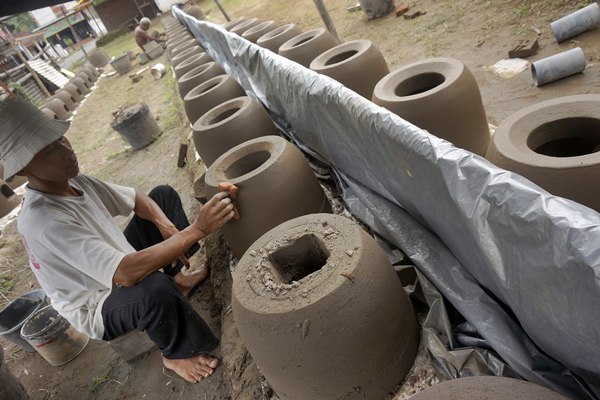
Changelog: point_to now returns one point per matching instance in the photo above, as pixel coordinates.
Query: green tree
(21, 23)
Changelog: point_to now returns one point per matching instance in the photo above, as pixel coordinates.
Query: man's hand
(167, 231)
(215, 213)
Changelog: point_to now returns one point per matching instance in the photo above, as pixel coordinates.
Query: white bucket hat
(24, 131)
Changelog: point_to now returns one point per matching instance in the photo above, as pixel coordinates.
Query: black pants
(155, 304)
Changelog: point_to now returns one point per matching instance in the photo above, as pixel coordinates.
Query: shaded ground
(477, 32)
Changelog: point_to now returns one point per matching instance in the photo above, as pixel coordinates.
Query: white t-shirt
(75, 247)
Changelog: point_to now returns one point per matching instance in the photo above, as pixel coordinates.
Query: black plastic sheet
(519, 265)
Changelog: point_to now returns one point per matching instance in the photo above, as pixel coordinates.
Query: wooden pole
(6, 88)
(24, 61)
(222, 10)
(327, 19)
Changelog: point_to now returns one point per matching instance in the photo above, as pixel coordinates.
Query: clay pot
(257, 31)
(99, 57)
(91, 72)
(245, 25)
(229, 124)
(487, 388)
(14, 182)
(186, 44)
(307, 46)
(184, 55)
(441, 96)
(9, 200)
(358, 65)
(58, 108)
(66, 98)
(176, 40)
(322, 312)
(177, 32)
(86, 79)
(81, 85)
(195, 12)
(198, 75)
(74, 91)
(274, 39)
(234, 22)
(51, 114)
(190, 63)
(275, 184)
(209, 94)
(555, 144)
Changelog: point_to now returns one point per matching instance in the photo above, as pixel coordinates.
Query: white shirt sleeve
(118, 200)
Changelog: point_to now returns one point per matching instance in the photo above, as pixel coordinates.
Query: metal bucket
(53, 336)
(14, 315)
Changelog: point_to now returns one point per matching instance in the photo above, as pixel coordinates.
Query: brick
(402, 9)
(524, 48)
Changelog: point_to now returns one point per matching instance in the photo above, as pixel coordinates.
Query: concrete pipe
(209, 94)
(184, 45)
(228, 125)
(234, 22)
(558, 66)
(177, 31)
(275, 183)
(81, 85)
(195, 12)
(556, 145)
(198, 75)
(358, 65)
(274, 39)
(487, 388)
(190, 63)
(74, 91)
(175, 40)
(305, 47)
(51, 114)
(322, 312)
(15, 181)
(9, 200)
(184, 55)
(577, 22)
(66, 98)
(58, 108)
(92, 72)
(244, 26)
(441, 96)
(257, 31)
(99, 57)
(86, 79)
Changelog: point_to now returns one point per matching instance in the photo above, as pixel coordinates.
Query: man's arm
(136, 266)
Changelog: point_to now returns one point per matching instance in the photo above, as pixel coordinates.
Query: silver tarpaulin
(519, 265)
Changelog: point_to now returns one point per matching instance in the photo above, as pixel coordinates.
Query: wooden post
(75, 35)
(222, 10)
(6, 88)
(24, 61)
(327, 19)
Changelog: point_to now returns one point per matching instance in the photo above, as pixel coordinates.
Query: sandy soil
(478, 32)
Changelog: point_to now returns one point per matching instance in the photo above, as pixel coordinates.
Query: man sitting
(103, 281)
(142, 37)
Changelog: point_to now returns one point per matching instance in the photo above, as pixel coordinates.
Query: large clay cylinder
(176, 32)
(228, 125)
(178, 41)
(184, 55)
(274, 39)
(198, 75)
(487, 388)
(275, 184)
(190, 63)
(51, 114)
(92, 72)
(555, 144)
(89, 82)
(234, 22)
(13, 182)
(183, 45)
(66, 98)
(257, 31)
(9, 200)
(358, 65)
(307, 46)
(195, 12)
(245, 25)
(99, 57)
(441, 96)
(58, 107)
(74, 91)
(209, 94)
(80, 83)
(322, 312)
(10, 387)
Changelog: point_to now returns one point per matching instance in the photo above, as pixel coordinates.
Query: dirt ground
(478, 32)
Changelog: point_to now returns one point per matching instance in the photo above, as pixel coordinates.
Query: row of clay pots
(438, 95)
(62, 104)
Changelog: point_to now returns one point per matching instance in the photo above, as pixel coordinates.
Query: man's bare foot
(193, 369)
(187, 283)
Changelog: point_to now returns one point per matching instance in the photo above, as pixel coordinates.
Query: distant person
(142, 37)
(106, 282)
